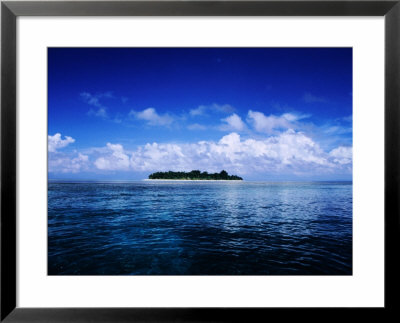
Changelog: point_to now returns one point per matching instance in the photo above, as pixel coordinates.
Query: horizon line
(184, 180)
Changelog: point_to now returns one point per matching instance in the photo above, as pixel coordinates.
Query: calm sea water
(200, 228)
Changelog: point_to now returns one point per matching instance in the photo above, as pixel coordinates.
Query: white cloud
(159, 157)
(233, 122)
(56, 142)
(199, 111)
(152, 117)
(90, 99)
(202, 110)
(101, 112)
(272, 123)
(294, 117)
(66, 164)
(342, 155)
(289, 152)
(225, 108)
(337, 130)
(116, 159)
(62, 162)
(94, 100)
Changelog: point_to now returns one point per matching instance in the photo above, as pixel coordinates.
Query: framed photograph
(198, 161)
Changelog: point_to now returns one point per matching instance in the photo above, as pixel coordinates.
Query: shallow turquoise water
(200, 228)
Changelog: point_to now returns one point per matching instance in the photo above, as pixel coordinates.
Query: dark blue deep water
(200, 228)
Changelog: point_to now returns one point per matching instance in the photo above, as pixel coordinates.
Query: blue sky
(262, 113)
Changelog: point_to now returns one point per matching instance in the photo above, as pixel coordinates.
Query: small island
(195, 175)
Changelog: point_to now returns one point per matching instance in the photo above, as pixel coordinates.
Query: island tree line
(195, 175)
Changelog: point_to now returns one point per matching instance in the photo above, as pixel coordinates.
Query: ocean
(199, 228)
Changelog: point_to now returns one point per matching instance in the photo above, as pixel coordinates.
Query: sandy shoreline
(193, 180)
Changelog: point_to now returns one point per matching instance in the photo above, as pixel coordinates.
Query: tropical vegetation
(194, 175)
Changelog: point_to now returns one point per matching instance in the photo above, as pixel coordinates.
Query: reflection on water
(200, 228)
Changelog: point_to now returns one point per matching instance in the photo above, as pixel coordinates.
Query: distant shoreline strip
(194, 180)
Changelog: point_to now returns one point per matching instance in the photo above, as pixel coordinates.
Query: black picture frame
(10, 10)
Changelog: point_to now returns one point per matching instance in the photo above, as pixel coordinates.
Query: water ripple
(239, 228)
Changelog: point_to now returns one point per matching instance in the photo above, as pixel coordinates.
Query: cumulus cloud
(289, 152)
(59, 163)
(116, 158)
(64, 162)
(56, 142)
(233, 122)
(342, 155)
(152, 117)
